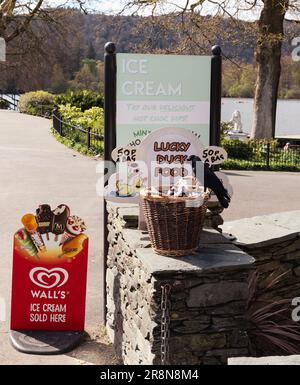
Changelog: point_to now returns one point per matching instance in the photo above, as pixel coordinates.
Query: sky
(114, 6)
(246, 11)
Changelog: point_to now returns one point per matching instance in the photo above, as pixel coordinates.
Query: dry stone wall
(207, 302)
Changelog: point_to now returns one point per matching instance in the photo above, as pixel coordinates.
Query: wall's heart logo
(48, 278)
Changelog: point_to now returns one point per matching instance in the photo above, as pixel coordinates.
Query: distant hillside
(131, 33)
(54, 54)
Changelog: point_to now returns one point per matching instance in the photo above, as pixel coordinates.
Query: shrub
(37, 103)
(75, 128)
(260, 155)
(92, 118)
(4, 104)
(270, 327)
(84, 100)
(237, 149)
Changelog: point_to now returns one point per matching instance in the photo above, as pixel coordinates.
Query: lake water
(288, 115)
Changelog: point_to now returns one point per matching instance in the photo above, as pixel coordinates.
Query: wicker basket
(174, 223)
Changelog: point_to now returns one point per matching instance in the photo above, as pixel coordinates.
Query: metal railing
(262, 155)
(89, 138)
(11, 99)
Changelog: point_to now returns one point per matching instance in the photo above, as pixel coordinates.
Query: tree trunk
(268, 56)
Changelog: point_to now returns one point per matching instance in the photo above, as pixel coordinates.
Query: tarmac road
(262, 192)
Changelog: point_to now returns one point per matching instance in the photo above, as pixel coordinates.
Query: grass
(240, 164)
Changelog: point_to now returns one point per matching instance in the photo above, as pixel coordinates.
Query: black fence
(87, 137)
(265, 155)
(251, 155)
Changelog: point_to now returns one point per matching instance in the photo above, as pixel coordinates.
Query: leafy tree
(89, 77)
(238, 80)
(91, 52)
(33, 56)
(270, 36)
(17, 16)
(58, 80)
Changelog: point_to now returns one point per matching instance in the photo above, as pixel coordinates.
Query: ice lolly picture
(23, 237)
(48, 281)
(60, 216)
(44, 217)
(50, 236)
(31, 225)
(74, 246)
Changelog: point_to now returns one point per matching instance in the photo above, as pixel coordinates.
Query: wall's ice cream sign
(49, 271)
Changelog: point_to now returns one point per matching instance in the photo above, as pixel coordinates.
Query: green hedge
(75, 128)
(260, 155)
(236, 148)
(37, 103)
(42, 102)
(84, 100)
(92, 118)
(236, 164)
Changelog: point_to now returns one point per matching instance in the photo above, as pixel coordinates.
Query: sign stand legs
(45, 342)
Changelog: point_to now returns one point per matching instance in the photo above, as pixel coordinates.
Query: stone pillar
(207, 302)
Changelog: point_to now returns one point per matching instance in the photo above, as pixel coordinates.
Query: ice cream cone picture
(51, 235)
(74, 226)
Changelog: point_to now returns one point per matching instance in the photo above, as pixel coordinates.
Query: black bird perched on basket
(211, 181)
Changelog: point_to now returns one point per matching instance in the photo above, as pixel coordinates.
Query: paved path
(262, 192)
(36, 169)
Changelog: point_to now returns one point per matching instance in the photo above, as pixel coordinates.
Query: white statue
(236, 120)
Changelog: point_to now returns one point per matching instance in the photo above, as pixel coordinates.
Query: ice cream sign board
(49, 271)
(155, 91)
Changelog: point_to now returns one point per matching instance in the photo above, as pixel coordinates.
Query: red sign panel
(49, 276)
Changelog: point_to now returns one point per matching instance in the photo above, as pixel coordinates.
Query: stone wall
(207, 317)
(207, 303)
(130, 307)
(274, 241)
